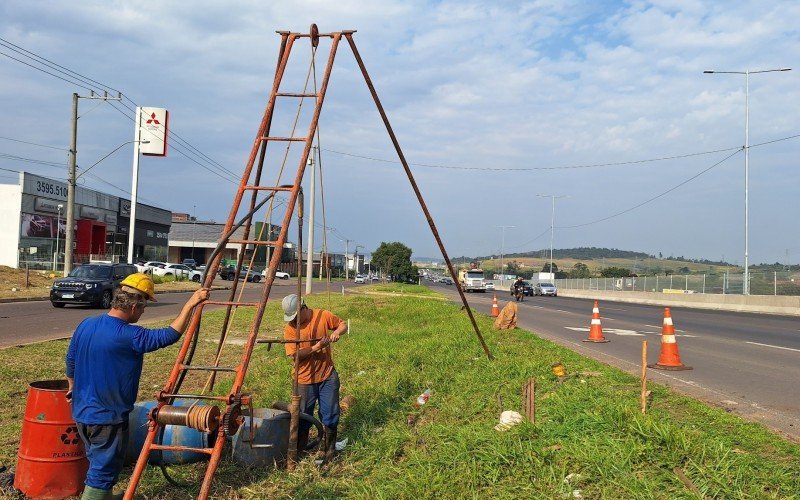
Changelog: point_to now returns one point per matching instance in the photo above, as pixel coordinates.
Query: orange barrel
(51, 462)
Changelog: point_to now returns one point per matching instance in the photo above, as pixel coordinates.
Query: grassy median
(589, 434)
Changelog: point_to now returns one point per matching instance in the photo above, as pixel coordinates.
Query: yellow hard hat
(140, 282)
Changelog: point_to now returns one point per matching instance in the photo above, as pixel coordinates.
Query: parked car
(92, 284)
(527, 289)
(189, 263)
(176, 270)
(279, 275)
(360, 279)
(228, 273)
(546, 289)
(196, 275)
(147, 267)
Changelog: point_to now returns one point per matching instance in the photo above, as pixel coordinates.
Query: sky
(497, 106)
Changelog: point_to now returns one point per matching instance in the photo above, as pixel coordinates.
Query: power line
(53, 65)
(30, 160)
(78, 79)
(654, 197)
(34, 144)
(527, 169)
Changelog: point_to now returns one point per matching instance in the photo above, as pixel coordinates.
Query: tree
(614, 272)
(512, 268)
(546, 268)
(395, 260)
(580, 270)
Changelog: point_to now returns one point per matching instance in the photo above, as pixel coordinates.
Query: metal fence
(761, 283)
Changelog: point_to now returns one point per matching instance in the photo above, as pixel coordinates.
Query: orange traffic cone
(596, 329)
(495, 307)
(669, 359)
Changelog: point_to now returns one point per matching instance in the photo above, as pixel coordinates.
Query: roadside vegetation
(589, 440)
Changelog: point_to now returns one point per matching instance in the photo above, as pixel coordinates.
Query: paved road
(36, 321)
(746, 363)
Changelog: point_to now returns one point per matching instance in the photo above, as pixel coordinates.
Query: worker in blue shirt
(104, 364)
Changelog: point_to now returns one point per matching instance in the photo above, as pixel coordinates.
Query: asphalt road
(24, 323)
(747, 363)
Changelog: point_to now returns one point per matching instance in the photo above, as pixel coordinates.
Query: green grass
(400, 288)
(589, 429)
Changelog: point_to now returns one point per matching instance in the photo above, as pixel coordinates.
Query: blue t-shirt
(105, 359)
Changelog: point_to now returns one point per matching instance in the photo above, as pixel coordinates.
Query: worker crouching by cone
(596, 328)
(670, 358)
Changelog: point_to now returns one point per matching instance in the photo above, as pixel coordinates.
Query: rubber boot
(330, 444)
(302, 442)
(91, 493)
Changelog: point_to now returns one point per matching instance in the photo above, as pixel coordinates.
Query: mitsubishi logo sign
(153, 127)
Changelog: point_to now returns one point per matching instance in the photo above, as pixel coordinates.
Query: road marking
(616, 331)
(774, 346)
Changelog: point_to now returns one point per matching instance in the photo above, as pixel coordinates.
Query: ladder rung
(255, 242)
(295, 94)
(164, 447)
(285, 139)
(195, 396)
(208, 368)
(267, 188)
(228, 303)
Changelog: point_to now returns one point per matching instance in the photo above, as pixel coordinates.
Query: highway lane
(24, 323)
(747, 363)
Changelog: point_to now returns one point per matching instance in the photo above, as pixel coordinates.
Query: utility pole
(552, 226)
(134, 181)
(310, 258)
(69, 238)
(346, 260)
(502, 249)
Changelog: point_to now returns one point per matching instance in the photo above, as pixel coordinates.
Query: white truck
(471, 280)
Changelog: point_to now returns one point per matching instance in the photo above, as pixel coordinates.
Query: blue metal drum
(175, 435)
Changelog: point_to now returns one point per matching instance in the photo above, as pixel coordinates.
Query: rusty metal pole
(294, 409)
(349, 36)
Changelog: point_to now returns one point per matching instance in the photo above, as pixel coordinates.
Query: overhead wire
(649, 200)
(84, 82)
(33, 143)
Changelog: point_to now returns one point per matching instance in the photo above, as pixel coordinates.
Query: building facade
(33, 225)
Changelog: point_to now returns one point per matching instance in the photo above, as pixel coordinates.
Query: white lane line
(653, 326)
(774, 346)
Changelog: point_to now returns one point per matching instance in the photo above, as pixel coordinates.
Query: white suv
(360, 279)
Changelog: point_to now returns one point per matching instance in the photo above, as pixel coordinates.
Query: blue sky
(481, 88)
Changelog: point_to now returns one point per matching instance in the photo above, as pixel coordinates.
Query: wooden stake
(529, 400)
(644, 376)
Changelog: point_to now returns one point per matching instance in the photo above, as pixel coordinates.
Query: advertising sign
(42, 226)
(153, 127)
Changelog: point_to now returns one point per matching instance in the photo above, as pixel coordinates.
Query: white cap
(289, 305)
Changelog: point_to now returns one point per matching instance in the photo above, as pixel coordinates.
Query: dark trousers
(105, 449)
(327, 393)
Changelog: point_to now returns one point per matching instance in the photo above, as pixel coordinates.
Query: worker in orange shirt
(317, 377)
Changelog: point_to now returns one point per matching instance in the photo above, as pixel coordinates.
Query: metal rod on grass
(644, 377)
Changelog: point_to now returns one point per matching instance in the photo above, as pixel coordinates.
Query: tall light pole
(746, 73)
(502, 251)
(310, 258)
(58, 231)
(194, 225)
(552, 225)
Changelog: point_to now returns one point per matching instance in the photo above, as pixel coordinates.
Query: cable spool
(202, 418)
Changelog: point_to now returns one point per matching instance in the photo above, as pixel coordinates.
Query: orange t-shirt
(319, 365)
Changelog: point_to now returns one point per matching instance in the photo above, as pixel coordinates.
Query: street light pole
(310, 251)
(552, 225)
(502, 251)
(194, 225)
(58, 231)
(746, 73)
